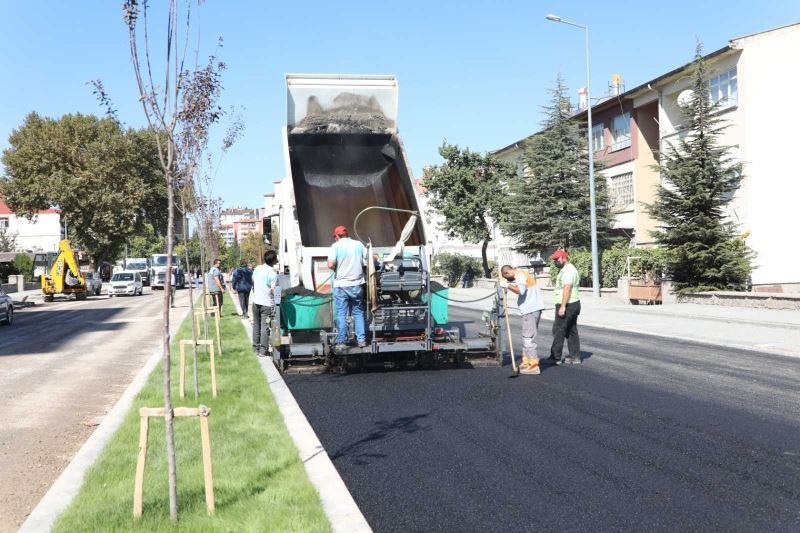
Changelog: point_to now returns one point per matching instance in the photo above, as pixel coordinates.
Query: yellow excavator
(64, 276)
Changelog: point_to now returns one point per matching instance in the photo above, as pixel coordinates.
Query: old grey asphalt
(648, 434)
(63, 365)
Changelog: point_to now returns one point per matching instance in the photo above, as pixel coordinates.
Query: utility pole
(592, 203)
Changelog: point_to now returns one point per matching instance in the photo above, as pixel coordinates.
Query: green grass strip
(259, 481)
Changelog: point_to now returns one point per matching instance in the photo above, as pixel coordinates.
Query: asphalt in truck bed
(647, 434)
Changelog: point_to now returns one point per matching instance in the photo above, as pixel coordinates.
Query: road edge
(61, 493)
(338, 504)
(716, 344)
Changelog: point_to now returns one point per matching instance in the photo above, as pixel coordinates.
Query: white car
(125, 283)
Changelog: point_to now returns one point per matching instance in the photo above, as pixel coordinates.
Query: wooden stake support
(210, 311)
(188, 342)
(202, 412)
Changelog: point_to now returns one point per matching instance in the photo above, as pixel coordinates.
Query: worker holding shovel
(530, 304)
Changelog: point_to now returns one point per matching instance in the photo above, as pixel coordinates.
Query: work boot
(572, 360)
(530, 366)
(362, 344)
(339, 347)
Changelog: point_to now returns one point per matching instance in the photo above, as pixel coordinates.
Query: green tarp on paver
(306, 311)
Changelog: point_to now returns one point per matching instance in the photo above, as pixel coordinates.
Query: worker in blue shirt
(347, 258)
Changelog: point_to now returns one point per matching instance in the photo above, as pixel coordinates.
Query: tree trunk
(204, 298)
(487, 272)
(191, 304)
(165, 336)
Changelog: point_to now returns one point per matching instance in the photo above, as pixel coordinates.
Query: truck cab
(158, 271)
(140, 265)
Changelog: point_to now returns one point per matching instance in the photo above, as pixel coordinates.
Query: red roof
(5, 210)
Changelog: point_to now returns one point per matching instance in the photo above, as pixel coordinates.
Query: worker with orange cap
(347, 257)
(568, 306)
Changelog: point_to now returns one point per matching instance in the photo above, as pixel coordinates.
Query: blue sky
(473, 72)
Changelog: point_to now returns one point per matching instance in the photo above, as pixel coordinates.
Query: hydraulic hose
(381, 208)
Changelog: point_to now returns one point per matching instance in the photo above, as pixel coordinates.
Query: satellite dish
(685, 98)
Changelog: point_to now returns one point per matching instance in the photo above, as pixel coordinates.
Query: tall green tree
(549, 203)
(699, 179)
(253, 248)
(468, 192)
(190, 251)
(146, 242)
(106, 180)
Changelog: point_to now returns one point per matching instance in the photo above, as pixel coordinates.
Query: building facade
(229, 223)
(41, 234)
(748, 79)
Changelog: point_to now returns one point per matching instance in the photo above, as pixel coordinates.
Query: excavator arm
(65, 275)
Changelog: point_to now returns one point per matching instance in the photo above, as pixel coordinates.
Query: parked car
(6, 309)
(125, 283)
(93, 283)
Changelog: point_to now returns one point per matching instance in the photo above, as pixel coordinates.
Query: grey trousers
(530, 328)
(262, 322)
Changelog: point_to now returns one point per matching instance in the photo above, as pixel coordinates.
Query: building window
(620, 191)
(724, 89)
(621, 132)
(3, 222)
(598, 139)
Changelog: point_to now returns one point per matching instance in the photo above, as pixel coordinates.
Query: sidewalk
(34, 297)
(765, 330)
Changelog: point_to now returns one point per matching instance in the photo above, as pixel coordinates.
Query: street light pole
(592, 204)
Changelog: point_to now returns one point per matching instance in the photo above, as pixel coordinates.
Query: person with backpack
(242, 281)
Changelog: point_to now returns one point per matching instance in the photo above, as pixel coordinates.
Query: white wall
(769, 81)
(40, 235)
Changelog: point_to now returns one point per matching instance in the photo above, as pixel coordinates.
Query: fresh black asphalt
(648, 434)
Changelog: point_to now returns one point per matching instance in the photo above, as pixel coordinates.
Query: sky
(474, 73)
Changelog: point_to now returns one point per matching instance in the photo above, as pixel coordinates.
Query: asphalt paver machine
(345, 165)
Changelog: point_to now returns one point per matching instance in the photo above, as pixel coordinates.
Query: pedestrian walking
(242, 281)
(469, 275)
(567, 308)
(264, 280)
(347, 259)
(173, 283)
(530, 304)
(216, 285)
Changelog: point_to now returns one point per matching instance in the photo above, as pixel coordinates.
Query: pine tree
(549, 205)
(699, 178)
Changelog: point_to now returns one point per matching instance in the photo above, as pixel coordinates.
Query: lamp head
(554, 18)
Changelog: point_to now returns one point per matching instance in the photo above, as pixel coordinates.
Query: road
(63, 365)
(646, 435)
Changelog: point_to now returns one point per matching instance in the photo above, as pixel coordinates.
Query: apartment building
(749, 78)
(243, 228)
(229, 222)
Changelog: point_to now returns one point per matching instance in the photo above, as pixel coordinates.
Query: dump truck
(346, 165)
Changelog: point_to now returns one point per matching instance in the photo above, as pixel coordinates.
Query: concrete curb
(66, 487)
(749, 348)
(337, 502)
